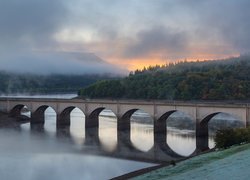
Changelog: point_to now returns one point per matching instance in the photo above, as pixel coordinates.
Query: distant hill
(11, 83)
(43, 63)
(227, 79)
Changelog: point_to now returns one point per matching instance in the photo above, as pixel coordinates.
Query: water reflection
(77, 126)
(181, 133)
(142, 135)
(44, 157)
(108, 130)
(182, 142)
(50, 121)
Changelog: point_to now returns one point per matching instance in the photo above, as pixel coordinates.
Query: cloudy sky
(129, 34)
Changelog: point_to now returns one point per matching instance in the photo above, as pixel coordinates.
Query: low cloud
(58, 63)
(145, 29)
(28, 45)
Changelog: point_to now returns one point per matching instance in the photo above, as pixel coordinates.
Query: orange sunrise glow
(134, 64)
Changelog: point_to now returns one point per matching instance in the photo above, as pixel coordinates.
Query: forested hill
(39, 84)
(210, 80)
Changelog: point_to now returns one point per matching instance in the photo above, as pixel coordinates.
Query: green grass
(193, 163)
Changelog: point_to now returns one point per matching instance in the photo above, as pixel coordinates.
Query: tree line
(207, 80)
(40, 84)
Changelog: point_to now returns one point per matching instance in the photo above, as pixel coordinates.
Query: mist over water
(29, 155)
(53, 96)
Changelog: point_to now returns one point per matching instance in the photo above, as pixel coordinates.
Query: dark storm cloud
(157, 40)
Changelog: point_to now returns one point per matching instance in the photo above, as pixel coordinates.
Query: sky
(35, 34)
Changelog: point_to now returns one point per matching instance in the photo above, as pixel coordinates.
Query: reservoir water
(29, 155)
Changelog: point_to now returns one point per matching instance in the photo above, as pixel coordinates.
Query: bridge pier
(123, 133)
(160, 139)
(124, 130)
(37, 118)
(63, 134)
(16, 111)
(62, 121)
(202, 137)
(36, 128)
(92, 129)
(160, 133)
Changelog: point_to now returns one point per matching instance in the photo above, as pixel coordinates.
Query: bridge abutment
(248, 116)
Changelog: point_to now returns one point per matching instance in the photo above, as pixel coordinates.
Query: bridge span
(201, 112)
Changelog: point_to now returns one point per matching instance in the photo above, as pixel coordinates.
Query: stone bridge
(201, 112)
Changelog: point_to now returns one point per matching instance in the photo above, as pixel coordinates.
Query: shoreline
(140, 172)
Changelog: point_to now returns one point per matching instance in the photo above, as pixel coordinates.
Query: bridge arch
(92, 120)
(63, 119)
(202, 131)
(38, 116)
(131, 130)
(124, 121)
(92, 127)
(167, 136)
(17, 109)
(160, 133)
(124, 129)
(71, 123)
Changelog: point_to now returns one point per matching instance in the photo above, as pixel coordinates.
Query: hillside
(209, 80)
(45, 63)
(11, 83)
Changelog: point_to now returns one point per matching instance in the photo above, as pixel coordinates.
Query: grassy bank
(232, 163)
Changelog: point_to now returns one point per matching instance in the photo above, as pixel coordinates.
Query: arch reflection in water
(46, 116)
(181, 133)
(77, 125)
(142, 130)
(26, 112)
(50, 121)
(221, 121)
(108, 129)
